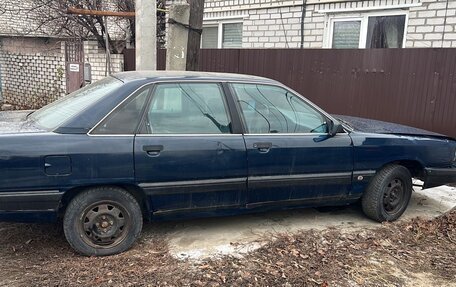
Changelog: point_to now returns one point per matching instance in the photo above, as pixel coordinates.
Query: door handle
(153, 150)
(263, 147)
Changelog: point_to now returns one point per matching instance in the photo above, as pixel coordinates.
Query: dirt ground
(203, 238)
(325, 247)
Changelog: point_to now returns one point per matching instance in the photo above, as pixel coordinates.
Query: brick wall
(30, 45)
(277, 24)
(281, 28)
(97, 59)
(17, 19)
(34, 79)
(427, 26)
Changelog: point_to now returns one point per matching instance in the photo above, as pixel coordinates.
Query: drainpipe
(303, 16)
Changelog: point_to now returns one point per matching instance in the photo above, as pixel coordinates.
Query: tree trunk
(194, 37)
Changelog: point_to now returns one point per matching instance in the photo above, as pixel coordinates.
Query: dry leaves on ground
(388, 255)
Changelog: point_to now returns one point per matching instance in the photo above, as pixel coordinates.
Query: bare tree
(128, 5)
(52, 19)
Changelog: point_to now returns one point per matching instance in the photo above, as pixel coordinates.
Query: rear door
(187, 157)
(291, 158)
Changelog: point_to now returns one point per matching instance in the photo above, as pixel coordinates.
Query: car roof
(156, 76)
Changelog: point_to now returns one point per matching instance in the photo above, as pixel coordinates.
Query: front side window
(270, 109)
(187, 108)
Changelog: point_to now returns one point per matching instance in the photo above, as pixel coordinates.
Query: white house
(329, 23)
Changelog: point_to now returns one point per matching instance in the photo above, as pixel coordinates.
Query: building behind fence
(329, 23)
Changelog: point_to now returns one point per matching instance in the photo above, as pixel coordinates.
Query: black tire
(388, 194)
(102, 221)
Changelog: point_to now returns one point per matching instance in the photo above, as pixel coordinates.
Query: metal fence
(415, 87)
(130, 59)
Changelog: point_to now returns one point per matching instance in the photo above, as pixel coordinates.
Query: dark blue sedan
(153, 145)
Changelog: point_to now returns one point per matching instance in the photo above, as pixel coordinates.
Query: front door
(186, 157)
(291, 158)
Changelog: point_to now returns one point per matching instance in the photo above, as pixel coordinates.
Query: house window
(222, 35)
(209, 37)
(346, 34)
(385, 31)
(367, 31)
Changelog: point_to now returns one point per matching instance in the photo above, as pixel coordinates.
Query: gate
(74, 65)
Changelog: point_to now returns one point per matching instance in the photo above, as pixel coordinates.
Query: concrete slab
(211, 237)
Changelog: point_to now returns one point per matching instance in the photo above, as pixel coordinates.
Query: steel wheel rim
(393, 197)
(104, 224)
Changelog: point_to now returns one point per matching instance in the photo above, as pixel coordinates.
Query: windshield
(60, 111)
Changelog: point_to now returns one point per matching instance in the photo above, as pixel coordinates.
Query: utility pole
(176, 52)
(146, 30)
(194, 34)
(146, 35)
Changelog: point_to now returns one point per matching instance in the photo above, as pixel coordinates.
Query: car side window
(126, 118)
(187, 108)
(271, 109)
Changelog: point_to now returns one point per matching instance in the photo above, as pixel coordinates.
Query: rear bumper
(30, 206)
(439, 176)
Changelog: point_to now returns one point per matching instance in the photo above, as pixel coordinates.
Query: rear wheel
(388, 194)
(102, 221)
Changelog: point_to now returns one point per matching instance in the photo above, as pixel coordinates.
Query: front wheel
(102, 221)
(388, 194)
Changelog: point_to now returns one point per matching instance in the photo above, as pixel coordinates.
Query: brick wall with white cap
(277, 24)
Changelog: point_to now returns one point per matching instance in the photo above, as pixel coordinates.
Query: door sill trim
(196, 209)
(299, 201)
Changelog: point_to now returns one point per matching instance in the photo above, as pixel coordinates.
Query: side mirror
(334, 127)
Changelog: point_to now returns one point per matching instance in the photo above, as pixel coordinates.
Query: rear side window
(187, 108)
(126, 118)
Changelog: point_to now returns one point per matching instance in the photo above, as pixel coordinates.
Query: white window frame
(364, 18)
(218, 34)
(219, 24)
(345, 19)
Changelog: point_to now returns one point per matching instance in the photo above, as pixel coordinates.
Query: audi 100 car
(156, 145)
